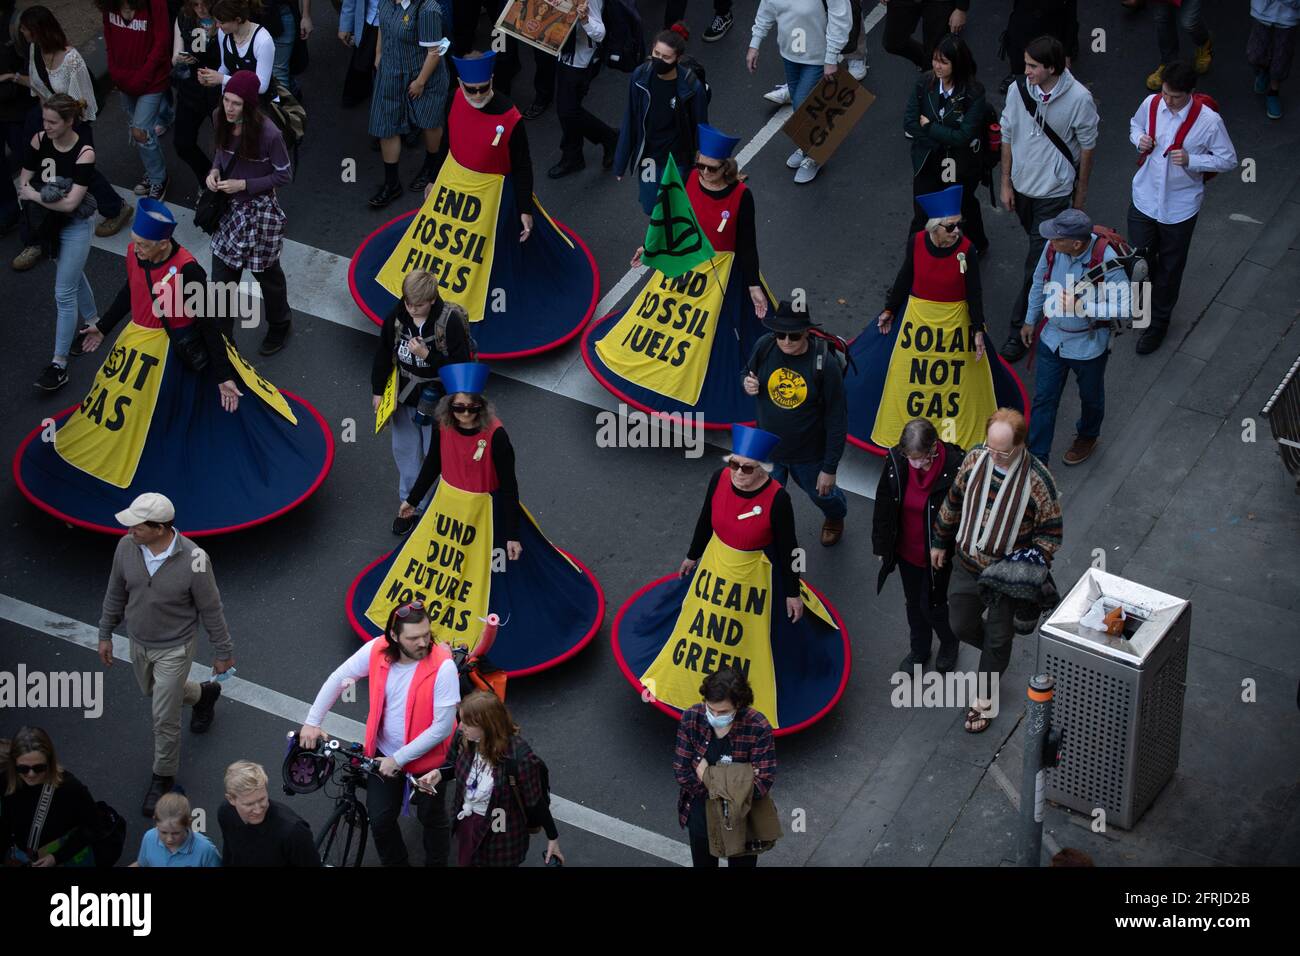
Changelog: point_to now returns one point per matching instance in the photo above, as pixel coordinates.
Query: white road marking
(293, 710)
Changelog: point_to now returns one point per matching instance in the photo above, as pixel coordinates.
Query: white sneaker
(857, 69)
(795, 159)
(807, 171)
(779, 95)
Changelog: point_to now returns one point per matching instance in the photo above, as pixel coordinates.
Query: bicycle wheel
(342, 842)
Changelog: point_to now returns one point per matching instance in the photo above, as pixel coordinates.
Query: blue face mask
(718, 722)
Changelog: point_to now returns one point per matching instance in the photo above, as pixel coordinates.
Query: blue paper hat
(716, 144)
(466, 377)
(943, 204)
(475, 71)
(153, 220)
(752, 442)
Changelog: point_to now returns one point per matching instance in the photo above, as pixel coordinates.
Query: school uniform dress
(407, 31)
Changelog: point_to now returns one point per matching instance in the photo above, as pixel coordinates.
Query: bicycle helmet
(306, 771)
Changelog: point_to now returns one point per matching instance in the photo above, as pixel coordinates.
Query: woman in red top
(907, 499)
(138, 39)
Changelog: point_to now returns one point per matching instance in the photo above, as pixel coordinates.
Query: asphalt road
(626, 513)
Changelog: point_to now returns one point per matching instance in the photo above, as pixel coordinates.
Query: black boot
(947, 659)
(205, 709)
(1013, 350)
(157, 787)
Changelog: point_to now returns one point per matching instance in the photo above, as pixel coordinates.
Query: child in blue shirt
(172, 841)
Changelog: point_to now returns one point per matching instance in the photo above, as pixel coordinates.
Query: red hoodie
(139, 52)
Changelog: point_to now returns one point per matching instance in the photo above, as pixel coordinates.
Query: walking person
(163, 586)
(47, 816)
(251, 161)
(423, 333)
(908, 498)
(937, 17)
(810, 35)
(1172, 16)
(719, 26)
(944, 117)
(359, 32)
(173, 841)
(1075, 312)
(1181, 142)
(503, 785)
(195, 46)
(666, 104)
(287, 23)
(414, 689)
(259, 831)
(1049, 135)
(410, 89)
(138, 40)
(1002, 506)
(56, 179)
(1271, 48)
(1030, 19)
(574, 73)
(724, 728)
(14, 102)
(245, 45)
(801, 399)
(55, 66)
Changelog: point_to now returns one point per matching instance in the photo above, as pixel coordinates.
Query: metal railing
(1283, 413)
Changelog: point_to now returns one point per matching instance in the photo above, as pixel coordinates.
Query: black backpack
(695, 66)
(623, 48)
(510, 767)
(111, 838)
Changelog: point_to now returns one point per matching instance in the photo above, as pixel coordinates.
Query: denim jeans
(1169, 19)
(143, 113)
(1053, 370)
(410, 447)
(284, 49)
(833, 506)
(802, 78)
(72, 292)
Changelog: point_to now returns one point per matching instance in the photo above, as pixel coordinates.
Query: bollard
(1038, 723)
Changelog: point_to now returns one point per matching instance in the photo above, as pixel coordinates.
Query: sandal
(974, 716)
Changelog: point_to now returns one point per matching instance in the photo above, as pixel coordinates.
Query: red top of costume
(743, 534)
(938, 278)
(472, 132)
(709, 210)
(167, 289)
(459, 467)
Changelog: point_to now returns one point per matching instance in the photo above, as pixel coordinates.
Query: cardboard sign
(544, 24)
(387, 402)
(821, 122)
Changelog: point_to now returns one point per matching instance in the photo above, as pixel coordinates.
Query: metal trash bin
(1119, 700)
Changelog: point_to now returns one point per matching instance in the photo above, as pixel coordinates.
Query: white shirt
(478, 789)
(587, 35)
(391, 737)
(152, 562)
(1172, 194)
(263, 55)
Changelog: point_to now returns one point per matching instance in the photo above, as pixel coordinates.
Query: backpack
(624, 45)
(108, 847)
(1126, 257)
(1199, 102)
(510, 767)
(478, 673)
(825, 344)
(695, 66)
(440, 333)
(289, 117)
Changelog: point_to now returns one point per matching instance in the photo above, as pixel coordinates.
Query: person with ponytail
(666, 103)
(56, 176)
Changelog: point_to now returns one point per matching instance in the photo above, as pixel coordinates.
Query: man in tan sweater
(162, 583)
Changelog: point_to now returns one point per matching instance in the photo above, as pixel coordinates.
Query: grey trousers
(965, 609)
(410, 448)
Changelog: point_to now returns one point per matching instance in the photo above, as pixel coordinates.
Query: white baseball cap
(150, 506)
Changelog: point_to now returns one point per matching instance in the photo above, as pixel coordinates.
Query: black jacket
(693, 109)
(889, 510)
(949, 137)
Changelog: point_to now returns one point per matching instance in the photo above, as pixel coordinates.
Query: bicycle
(348, 826)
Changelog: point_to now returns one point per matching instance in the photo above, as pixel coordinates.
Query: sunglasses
(31, 769)
(460, 409)
(403, 612)
(950, 226)
(706, 168)
(743, 469)
(788, 336)
(476, 90)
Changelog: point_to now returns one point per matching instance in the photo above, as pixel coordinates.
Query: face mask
(662, 66)
(716, 722)
(207, 22)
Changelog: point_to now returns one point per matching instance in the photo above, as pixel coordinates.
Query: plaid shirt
(509, 847)
(751, 742)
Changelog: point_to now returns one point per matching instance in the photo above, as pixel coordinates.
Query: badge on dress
(496, 140)
(726, 214)
(758, 510)
(478, 453)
